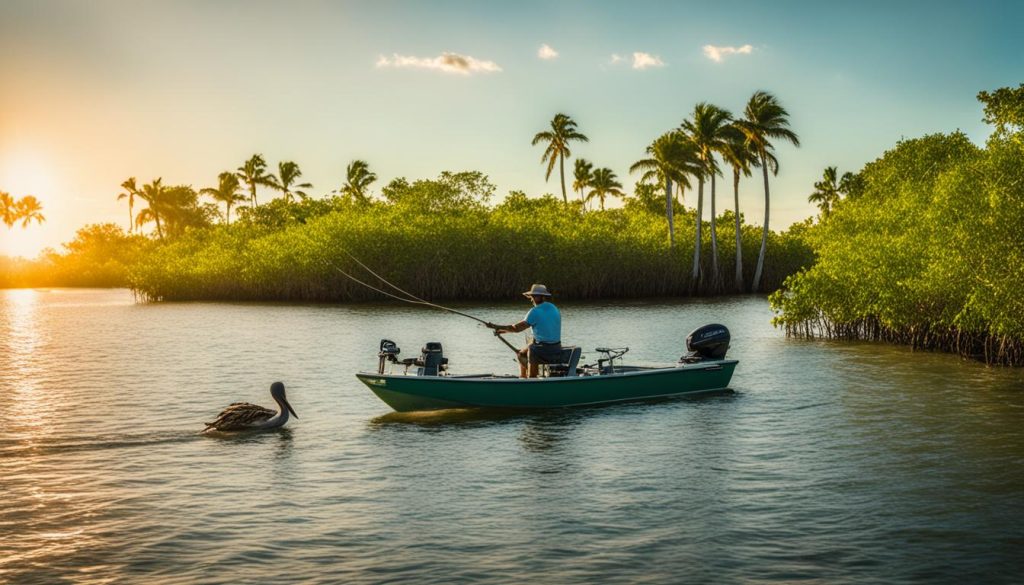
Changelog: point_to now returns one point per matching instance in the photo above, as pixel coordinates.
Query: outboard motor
(432, 361)
(709, 342)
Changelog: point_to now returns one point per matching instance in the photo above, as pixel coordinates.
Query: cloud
(446, 62)
(546, 52)
(645, 60)
(716, 54)
(616, 59)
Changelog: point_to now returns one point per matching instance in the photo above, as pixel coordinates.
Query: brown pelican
(242, 416)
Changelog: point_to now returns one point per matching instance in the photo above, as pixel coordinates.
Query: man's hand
(492, 325)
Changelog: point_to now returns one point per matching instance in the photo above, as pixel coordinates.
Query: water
(830, 462)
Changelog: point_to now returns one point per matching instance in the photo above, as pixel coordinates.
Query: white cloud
(645, 60)
(446, 62)
(546, 52)
(616, 59)
(716, 54)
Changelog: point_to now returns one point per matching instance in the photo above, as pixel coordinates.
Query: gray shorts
(545, 353)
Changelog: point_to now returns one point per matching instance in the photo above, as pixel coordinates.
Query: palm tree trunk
(159, 229)
(229, 213)
(252, 193)
(714, 237)
(739, 238)
(756, 284)
(696, 248)
(561, 172)
(669, 212)
(131, 216)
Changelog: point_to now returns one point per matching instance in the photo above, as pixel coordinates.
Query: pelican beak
(290, 409)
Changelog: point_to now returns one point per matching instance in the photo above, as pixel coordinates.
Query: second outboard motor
(432, 361)
(709, 342)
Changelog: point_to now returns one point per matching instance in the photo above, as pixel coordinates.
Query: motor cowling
(432, 361)
(709, 342)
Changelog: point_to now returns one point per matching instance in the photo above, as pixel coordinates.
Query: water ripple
(829, 462)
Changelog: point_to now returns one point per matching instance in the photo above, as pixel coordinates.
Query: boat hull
(406, 393)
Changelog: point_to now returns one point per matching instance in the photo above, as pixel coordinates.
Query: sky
(92, 93)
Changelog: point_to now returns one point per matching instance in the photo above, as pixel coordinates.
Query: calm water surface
(828, 463)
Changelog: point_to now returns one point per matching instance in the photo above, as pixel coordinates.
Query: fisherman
(546, 322)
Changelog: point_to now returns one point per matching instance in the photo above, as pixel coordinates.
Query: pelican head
(277, 392)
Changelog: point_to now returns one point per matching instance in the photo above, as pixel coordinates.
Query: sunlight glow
(26, 172)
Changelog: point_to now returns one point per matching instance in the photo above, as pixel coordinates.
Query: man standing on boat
(546, 322)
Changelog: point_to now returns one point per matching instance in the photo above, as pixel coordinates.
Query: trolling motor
(389, 351)
(431, 361)
(709, 342)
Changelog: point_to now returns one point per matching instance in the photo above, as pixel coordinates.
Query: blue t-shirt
(546, 323)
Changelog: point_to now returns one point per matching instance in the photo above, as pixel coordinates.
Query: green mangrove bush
(928, 252)
(439, 239)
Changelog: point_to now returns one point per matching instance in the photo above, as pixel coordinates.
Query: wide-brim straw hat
(537, 290)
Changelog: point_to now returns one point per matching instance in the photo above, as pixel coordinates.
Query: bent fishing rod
(409, 298)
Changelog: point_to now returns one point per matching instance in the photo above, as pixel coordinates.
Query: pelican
(242, 416)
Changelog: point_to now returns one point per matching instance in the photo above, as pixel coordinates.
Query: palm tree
(228, 191)
(604, 184)
(27, 209)
(131, 191)
(582, 175)
(563, 131)
(180, 209)
(738, 154)
(708, 129)
(254, 172)
(8, 209)
(826, 191)
(672, 160)
(358, 178)
(764, 120)
(287, 174)
(153, 194)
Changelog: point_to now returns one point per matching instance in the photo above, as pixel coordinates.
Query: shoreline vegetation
(435, 238)
(442, 238)
(926, 249)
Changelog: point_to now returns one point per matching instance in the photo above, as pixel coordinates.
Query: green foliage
(1004, 108)
(450, 192)
(101, 255)
(465, 250)
(929, 252)
(438, 238)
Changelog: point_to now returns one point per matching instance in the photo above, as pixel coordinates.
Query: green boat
(566, 384)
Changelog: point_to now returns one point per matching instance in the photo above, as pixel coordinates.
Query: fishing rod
(412, 299)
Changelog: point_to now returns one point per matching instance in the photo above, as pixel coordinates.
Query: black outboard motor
(432, 361)
(709, 342)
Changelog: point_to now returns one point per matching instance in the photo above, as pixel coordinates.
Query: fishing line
(412, 299)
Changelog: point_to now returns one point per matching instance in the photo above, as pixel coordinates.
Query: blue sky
(95, 92)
